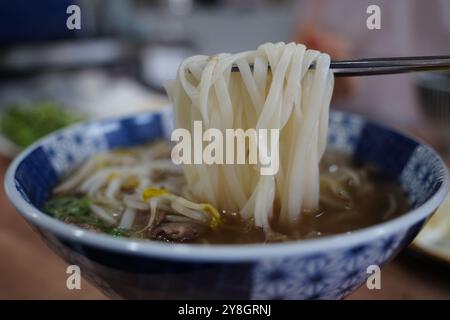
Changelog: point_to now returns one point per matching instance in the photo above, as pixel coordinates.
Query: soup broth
(354, 205)
(139, 193)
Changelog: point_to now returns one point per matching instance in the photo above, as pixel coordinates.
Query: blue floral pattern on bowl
(321, 276)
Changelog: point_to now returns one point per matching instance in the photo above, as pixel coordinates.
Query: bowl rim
(214, 253)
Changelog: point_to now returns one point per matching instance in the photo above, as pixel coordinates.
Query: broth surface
(379, 199)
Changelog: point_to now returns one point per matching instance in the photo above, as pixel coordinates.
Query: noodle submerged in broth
(115, 193)
(352, 197)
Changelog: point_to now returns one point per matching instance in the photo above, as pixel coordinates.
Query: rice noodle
(135, 202)
(102, 214)
(281, 93)
(195, 215)
(127, 220)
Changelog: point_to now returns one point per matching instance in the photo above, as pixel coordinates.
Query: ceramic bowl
(326, 268)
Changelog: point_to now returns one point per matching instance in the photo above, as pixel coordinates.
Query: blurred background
(124, 50)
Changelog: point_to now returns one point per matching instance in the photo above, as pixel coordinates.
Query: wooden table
(29, 270)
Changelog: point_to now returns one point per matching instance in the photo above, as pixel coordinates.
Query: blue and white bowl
(326, 268)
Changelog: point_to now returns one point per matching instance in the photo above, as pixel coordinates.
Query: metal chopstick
(390, 65)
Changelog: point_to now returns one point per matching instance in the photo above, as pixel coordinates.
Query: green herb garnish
(64, 207)
(75, 210)
(118, 232)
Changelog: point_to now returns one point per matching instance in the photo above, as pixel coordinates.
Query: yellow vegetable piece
(153, 192)
(216, 220)
(113, 176)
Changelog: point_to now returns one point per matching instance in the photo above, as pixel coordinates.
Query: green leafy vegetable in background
(24, 125)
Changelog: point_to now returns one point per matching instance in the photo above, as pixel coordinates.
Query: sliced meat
(164, 174)
(87, 226)
(178, 231)
(159, 175)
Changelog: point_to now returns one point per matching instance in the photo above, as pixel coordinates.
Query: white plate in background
(434, 239)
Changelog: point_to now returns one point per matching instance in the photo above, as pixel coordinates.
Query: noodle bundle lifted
(275, 88)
